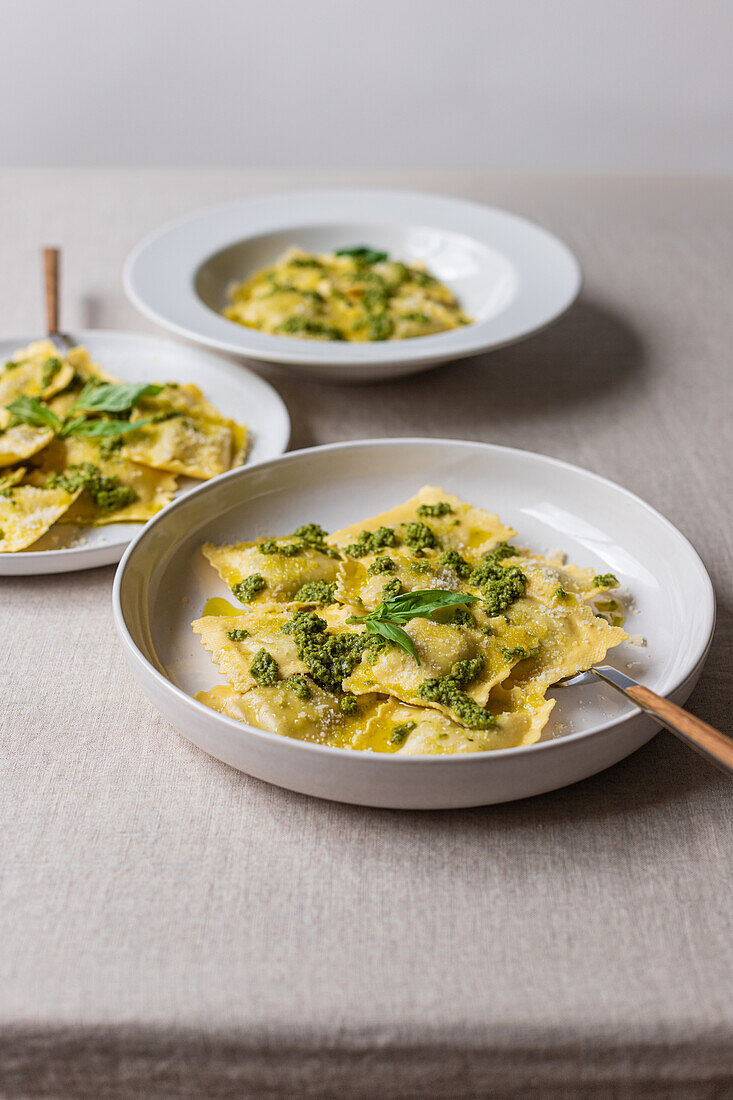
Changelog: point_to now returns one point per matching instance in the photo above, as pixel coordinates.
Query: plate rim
(289, 351)
(58, 558)
(234, 726)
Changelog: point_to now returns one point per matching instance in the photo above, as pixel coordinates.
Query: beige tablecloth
(171, 928)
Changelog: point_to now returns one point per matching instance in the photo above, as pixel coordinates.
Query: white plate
(163, 582)
(509, 274)
(239, 394)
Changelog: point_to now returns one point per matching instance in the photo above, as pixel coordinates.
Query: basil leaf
(107, 429)
(29, 410)
(364, 253)
(392, 633)
(113, 397)
(408, 605)
(420, 604)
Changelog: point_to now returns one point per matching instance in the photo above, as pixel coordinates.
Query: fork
(696, 734)
(61, 340)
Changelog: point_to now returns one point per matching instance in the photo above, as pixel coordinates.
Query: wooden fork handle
(51, 273)
(697, 734)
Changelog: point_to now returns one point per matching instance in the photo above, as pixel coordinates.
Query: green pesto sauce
(237, 635)
(605, 580)
(500, 585)
(264, 669)
(311, 533)
(108, 446)
(247, 589)
(51, 368)
(323, 592)
(417, 566)
(286, 549)
(462, 617)
(299, 685)
(314, 537)
(295, 324)
(401, 733)
(457, 564)
(448, 690)
(310, 536)
(348, 704)
(304, 261)
(418, 536)
(501, 551)
(107, 493)
(441, 507)
(391, 588)
(381, 565)
(329, 658)
(380, 326)
(369, 542)
(518, 652)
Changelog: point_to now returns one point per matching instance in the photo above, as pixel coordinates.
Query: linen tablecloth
(172, 928)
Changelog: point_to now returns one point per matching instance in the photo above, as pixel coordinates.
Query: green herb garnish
(385, 620)
(364, 254)
(101, 429)
(113, 397)
(29, 410)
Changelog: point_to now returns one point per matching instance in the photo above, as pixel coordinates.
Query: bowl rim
(379, 759)
(279, 211)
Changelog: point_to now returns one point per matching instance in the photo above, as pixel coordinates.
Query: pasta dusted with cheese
(420, 630)
(94, 450)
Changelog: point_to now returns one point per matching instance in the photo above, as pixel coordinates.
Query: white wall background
(545, 85)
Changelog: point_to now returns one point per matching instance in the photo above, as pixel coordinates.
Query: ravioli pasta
(354, 294)
(422, 630)
(77, 446)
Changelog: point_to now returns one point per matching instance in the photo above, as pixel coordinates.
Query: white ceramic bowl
(163, 582)
(511, 276)
(136, 357)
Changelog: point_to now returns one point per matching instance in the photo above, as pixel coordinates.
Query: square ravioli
(27, 512)
(116, 446)
(421, 630)
(282, 709)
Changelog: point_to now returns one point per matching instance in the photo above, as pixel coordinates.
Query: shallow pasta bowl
(512, 276)
(163, 583)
